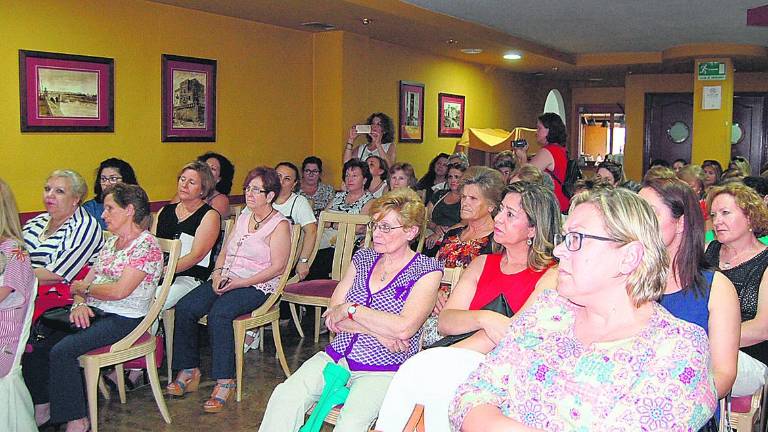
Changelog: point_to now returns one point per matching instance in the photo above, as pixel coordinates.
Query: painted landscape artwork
(67, 93)
(189, 99)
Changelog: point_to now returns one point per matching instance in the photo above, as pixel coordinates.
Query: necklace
(384, 272)
(734, 261)
(257, 223)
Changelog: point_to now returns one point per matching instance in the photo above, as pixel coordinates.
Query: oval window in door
(678, 132)
(737, 133)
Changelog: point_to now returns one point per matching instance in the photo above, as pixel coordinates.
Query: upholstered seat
(314, 288)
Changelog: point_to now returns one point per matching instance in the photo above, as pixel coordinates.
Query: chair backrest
(235, 210)
(292, 258)
(423, 232)
(347, 225)
(173, 249)
(226, 226)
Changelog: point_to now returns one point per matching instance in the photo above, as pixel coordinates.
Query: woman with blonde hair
(16, 279)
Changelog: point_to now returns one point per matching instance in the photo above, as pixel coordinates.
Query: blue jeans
(54, 375)
(221, 311)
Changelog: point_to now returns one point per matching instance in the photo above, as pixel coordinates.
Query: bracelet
(217, 269)
(76, 305)
(87, 290)
(349, 146)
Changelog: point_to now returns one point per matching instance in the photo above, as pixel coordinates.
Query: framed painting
(450, 115)
(189, 99)
(411, 121)
(66, 92)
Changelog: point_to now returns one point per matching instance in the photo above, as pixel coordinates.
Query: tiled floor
(262, 374)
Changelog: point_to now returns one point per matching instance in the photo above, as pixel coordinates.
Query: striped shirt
(72, 246)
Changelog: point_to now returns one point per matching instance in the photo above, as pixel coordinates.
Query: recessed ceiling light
(366, 21)
(512, 56)
(538, 74)
(471, 50)
(451, 41)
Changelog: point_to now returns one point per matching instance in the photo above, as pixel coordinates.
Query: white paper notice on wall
(712, 97)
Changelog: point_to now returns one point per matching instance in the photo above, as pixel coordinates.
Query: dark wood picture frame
(411, 118)
(66, 92)
(450, 115)
(188, 99)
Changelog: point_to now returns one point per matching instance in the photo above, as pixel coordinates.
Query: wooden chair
(267, 313)
(140, 342)
(754, 418)
(318, 293)
(450, 277)
(423, 233)
(235, 210)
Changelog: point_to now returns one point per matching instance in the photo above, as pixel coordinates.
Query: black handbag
(53, 325)
(498, 305)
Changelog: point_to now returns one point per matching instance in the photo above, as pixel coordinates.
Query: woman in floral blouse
(600, 353)
(122, 285)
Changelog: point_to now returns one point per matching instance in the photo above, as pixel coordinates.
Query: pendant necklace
(257, 223)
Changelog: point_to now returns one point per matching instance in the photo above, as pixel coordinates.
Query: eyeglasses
(573, 240)
(383, 227)
(110, 179)
(311, 171)
(253, 190)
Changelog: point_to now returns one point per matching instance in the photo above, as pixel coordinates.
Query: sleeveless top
(457, 253)
(169, 227)
(248, 253)
(516, 287)
(445, 214)
(558, 173)
(689, 305)
(364, 352)
(363, 152)
(746, 278)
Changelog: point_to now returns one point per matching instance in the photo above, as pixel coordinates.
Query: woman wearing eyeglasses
(376, 312)
(110, 171)
(320, 194)
(599, 353)
(247, 272)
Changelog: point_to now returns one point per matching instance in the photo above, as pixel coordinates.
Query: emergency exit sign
(711, 71)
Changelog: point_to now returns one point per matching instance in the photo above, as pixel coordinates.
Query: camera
(520, 143)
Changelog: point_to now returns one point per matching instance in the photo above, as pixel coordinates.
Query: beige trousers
(291, 399)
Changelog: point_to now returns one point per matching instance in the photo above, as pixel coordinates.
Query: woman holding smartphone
(254, 256)
(380, 139)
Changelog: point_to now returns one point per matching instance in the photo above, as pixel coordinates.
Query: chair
(753, 419)
(423, 232)
(140, 342)
(18, 414)
(318, 293)
(450, 277)
(235, 210)
(267, 313)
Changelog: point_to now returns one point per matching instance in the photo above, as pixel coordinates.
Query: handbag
(498, 305)
(53, 325)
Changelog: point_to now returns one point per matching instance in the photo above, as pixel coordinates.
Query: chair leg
(154, 381)
(279, 347)
(261, 338)
(91, 372)
(318, 315)
(103, 387)
(169, 316)
(239, 342)
(296, 321)
(120, 381)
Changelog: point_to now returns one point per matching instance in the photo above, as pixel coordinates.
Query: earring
(529, 242)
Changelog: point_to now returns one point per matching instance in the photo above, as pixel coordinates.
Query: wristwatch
(303, 260)
(351, 311)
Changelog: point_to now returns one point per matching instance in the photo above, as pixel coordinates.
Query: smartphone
(521, 143)
(363, 129)
(224, 282)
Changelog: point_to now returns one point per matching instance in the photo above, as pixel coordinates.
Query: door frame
(647, 126)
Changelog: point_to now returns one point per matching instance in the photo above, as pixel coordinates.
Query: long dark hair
(226, 174)
(428, 180)
(689, 263)
(126, 172)
(557, 133)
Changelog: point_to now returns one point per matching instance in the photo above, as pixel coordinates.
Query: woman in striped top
(65, 238)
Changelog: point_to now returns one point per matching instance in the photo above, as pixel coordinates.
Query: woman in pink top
(552, 158)
(255, 255)
(16, 279)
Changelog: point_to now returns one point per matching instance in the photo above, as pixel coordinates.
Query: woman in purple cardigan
(376, 311)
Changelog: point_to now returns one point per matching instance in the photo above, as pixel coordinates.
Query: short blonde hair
(748, 201)
(628, 218)
(529, 173)
(207, 183)
(405, 202)
(10, 228)
(76, 182)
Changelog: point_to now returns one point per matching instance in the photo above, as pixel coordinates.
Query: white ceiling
(597, 26)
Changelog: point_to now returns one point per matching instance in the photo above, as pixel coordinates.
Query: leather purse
(58, 319)
(498, 305)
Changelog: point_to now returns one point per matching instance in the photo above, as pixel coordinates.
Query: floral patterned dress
(542, 376)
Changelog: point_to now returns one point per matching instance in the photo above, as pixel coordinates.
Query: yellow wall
(712, 128)
(264, 94)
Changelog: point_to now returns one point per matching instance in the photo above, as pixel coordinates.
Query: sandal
(219, 397)
(187, 381)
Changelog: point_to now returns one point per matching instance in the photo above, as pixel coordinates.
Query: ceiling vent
(318, 26)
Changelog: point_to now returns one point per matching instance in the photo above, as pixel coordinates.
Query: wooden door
(749, 135)
(668, 127)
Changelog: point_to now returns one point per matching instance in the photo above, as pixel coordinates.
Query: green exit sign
(711, 71)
